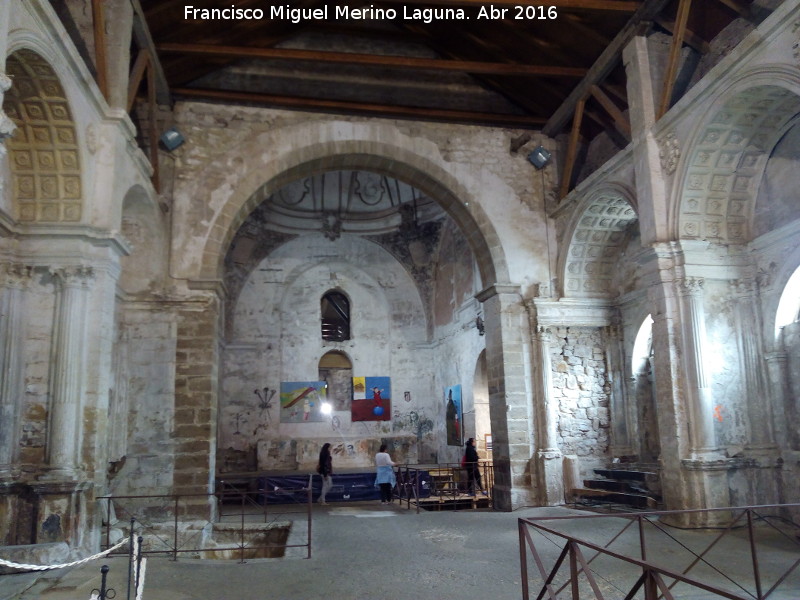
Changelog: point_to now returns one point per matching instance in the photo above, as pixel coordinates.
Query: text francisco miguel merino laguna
(296, 15)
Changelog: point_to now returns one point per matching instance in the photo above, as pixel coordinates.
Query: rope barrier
(13, 565)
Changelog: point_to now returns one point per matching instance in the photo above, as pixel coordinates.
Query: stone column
(701, 399)
(549, 461)
(748, 328)
(68, 367)
(620, 406)
(507, 397)
(13, 281)
(777, 363)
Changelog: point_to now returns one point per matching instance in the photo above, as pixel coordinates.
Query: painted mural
(301, 401)
(372, 399)
(453, 415)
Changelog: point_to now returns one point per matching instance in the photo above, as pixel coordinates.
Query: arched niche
(725, 161)
(595, 239)
(143, 226)
(44, 157)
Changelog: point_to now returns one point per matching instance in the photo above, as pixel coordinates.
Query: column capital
(691, 286)
(15, 276)
(73, 276)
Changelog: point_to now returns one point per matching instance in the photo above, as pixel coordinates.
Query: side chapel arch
(594, 239)
(44, 155)
(726, 158)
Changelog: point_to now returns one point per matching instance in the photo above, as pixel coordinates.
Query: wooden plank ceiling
(526, 73)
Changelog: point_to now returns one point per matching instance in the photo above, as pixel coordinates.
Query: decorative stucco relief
(669, 153)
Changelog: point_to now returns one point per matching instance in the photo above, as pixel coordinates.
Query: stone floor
(365, 551)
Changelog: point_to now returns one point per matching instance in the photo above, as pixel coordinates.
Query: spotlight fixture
(539, 158)
(172, 139)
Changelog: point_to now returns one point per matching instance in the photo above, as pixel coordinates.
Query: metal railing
(647, 548)
(169, 528)
(443, 484)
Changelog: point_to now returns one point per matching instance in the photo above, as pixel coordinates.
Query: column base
(550, 477)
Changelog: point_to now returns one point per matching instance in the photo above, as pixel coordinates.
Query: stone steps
(629, 487)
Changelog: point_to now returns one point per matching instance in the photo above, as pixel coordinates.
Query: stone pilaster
(549, 460)
(68, 369)
(748, 328)
(196, 381)
(701, 399)
(14, 279)
(7, 126)
(511, 435)
(620, 406)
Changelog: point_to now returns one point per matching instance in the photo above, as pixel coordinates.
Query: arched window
(335, 309)
(789, 305)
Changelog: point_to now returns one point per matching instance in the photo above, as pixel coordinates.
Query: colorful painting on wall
(301, 401)
(453, 415)
(372, 399)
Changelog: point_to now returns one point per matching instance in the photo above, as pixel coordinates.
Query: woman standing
(385, 478)
(325, 469)
(473, 469)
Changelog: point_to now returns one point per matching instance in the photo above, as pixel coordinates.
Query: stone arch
(295, 162)
(595, 237)
(44, 154)
(726, 157)
(143, 226)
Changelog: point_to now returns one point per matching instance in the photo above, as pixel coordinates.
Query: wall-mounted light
(172, 139)
(539, 158)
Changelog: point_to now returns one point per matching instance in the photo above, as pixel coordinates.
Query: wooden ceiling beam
(600, 5)
(739, 7)
(613, 110)
(689, 37)
(572, 149)
(674, 56)
(647, 12)
(406, 62)
(141, 34)
(372, 109)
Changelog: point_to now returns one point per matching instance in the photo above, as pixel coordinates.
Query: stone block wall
(582, 391)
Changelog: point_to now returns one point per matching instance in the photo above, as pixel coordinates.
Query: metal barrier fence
(755, 561)
(167, 524)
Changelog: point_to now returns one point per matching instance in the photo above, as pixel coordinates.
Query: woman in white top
(385, 478)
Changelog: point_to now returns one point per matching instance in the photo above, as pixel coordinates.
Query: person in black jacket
(325, 470)
(471, 464)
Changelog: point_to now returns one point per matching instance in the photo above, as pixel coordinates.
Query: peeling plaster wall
(148, 346)
(277, 338)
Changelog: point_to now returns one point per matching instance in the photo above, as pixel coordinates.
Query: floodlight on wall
(172, 139)
(539, 158)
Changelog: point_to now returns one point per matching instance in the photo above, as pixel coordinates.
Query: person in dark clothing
(325, 470)
(471, 465)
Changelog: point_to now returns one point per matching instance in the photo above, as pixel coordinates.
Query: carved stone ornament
(7, 126)
(669, 153)
(331, 226)
(796, 44)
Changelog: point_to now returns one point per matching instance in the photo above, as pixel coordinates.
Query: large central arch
(261, 172)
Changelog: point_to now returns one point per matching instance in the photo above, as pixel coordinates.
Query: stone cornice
(573, 312)
(496, 290)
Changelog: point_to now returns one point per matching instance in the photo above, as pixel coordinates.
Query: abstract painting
(372, 399)
(453, 415)
(301, 401)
